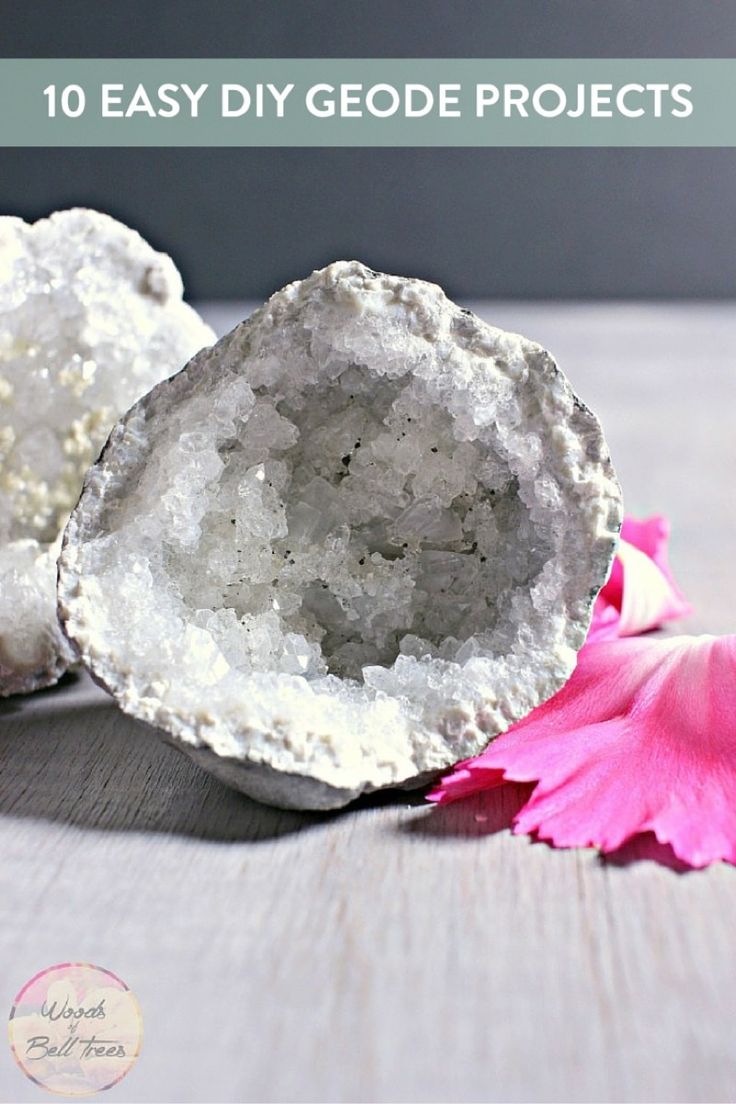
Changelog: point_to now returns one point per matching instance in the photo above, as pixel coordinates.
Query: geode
(90, 318)
(347, 545)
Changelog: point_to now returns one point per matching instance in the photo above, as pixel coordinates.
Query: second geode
(347, 545)
(91, 317)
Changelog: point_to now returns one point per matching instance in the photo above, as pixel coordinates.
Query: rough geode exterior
(90, 318)
(478, 469)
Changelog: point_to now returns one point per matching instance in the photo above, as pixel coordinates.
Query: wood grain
(392, 952)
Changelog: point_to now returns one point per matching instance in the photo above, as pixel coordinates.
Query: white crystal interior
(353, 540)
(91, 317)
(350, 525)
(31, 645)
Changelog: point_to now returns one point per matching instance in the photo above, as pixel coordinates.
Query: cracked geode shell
(90, 318)
(346, 546)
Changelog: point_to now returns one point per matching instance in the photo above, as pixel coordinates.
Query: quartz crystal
(91, 317)
(346, 546)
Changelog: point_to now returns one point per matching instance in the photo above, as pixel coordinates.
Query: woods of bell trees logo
(75, 1029)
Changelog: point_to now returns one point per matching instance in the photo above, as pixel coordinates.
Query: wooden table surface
(393, 952)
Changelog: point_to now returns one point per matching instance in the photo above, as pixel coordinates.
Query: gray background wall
(531, 223)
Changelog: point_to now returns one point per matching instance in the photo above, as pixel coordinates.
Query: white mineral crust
(347, 545)
(91, 317)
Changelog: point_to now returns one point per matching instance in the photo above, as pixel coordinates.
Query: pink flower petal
(641, 739)
(641, 593)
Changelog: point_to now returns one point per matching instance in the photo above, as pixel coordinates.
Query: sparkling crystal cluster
(347, 545)
(90, 318)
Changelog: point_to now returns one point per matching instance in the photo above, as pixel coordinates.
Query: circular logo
(75, 1029)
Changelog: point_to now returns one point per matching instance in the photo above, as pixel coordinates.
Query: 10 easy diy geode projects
(347, 545)
(90, 318)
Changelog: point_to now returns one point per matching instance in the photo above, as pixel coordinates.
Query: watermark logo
(75, 1029)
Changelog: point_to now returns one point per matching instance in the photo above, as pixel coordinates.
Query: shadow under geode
(69, 755)
(73, 690)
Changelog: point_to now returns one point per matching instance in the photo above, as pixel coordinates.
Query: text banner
(367, 102)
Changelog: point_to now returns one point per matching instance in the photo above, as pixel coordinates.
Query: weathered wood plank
(393, 952)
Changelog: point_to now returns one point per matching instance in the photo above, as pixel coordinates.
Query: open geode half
(91, 317)
(347, 545)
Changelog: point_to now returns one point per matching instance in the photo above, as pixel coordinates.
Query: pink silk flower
(642, 738)
(641, 593)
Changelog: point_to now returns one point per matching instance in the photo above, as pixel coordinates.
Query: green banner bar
(367, 102)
